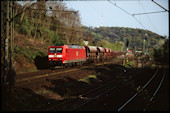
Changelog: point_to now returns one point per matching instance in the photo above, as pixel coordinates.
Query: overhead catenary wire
(139, 22)
(99, 12)
(148, 13)
(112, 32)
(128, 14)
(148, 17)
(120, 8)
(160, 6)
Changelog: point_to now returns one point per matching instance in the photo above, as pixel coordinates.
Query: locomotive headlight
(59, 56)
(50, 56)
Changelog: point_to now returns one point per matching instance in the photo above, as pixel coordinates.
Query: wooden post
(11, 36)
(6, 68)
(7, 36)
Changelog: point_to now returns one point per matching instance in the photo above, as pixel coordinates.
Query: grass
(130, 64)
(49, 93)
(87, 79)
(153, 66)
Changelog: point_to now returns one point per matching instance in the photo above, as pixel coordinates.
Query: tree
(161, 52)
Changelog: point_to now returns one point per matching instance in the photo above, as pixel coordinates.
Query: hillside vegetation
(134, 36)
(48, 23)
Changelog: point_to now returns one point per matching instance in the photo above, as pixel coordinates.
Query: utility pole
(144, 42)
(144, 46)
(8, 73)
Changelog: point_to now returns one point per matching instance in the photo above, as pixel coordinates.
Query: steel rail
(94, 97)
(45, 75)
(137, 92)
(160, 84)
(60, 72)
(81, 95)
(103, 92)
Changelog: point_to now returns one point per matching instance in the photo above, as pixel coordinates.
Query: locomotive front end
(55, 55)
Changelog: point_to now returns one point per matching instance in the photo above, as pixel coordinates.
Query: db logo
(77, 53)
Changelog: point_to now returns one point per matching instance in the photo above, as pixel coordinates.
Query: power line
(139, 22)
(148, 17)
(160, 6)
(128, 14)
(119, 7)
(148, 13)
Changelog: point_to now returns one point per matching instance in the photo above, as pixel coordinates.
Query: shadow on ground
(69, 86)
(41, 62)
(24, 99)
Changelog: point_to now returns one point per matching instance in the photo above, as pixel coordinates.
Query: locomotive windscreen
(58, 50)
(52, 50)
(55, 50)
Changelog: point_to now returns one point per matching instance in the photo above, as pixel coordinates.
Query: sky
(96, 13)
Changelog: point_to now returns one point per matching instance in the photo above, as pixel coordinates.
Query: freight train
(67, 55)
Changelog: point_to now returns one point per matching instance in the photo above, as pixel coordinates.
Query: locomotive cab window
(55, 50)
(58, 50)
(52, 50)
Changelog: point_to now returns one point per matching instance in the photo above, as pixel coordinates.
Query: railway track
(156, 91)
(91, 95)
(142, 101)
(125, 106)
(51, 93)
(102, 89)
(29, 78)
(41, 107)
(33, 77)
(90, 104)
(40, 78)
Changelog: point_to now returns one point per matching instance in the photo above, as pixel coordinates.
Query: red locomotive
(66, 54)
(74, 54)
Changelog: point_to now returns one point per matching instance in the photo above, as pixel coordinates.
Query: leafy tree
(161, 52)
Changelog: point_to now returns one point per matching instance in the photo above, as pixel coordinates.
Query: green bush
(56, 41)
(28, 53)
(40, 53)
(25, 29)
(46, 33)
